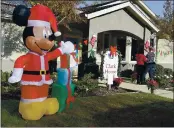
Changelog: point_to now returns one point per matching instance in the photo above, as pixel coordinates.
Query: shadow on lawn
(99, 112)
(157, 114)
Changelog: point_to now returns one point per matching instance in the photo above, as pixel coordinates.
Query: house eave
(145, 7)
(121, 6)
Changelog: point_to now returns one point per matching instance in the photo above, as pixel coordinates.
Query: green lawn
(118, 110)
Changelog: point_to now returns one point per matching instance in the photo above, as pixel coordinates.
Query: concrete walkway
(143, 88)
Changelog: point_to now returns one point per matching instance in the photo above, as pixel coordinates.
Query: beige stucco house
(128, 24)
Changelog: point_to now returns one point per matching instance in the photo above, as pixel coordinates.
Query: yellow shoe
(32, 111)
(51, 106)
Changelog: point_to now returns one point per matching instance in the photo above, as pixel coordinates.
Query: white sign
(110, 67)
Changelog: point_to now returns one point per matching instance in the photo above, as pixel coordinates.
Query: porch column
(128, 48)
(154, 39)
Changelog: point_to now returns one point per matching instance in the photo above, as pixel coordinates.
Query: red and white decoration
(93, 40)
(147, 44)
(46, 19)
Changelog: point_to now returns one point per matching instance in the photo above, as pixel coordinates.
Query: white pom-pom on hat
(57, 33)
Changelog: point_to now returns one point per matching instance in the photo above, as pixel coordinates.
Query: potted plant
(152, 85)
(117, 82)
(134, 77)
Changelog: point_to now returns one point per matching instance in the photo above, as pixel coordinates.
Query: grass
(126, 110)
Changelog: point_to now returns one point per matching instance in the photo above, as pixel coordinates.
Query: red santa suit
(36, 79)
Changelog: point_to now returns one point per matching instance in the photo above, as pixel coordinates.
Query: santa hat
(43, 16)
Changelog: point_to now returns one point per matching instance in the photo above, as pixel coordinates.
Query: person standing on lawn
(150, 64)
(141, 59)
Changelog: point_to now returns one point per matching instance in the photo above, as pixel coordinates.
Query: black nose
(53, 37)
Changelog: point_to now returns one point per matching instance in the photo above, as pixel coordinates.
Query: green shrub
(159, 70)
(168, 71)
(164, 80)
(7, 87)
(86, 84)
(127, 73)
(5, 76)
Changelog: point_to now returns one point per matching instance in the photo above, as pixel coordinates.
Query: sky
(155, 5)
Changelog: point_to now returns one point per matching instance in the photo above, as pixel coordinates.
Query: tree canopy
(65, 11)
(166, 22)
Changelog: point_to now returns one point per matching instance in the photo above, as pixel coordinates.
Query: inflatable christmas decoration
(110, 66)
(63, 89)
(32, 69)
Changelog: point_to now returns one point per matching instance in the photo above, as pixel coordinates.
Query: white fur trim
(57, 33)
(37, 53)
(60, 50)
(73, 63)
(40, 83)
(38, 23)
(34, 53)
(18, 72)
(33, 100)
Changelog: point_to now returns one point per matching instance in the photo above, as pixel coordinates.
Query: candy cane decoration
(93, 40)
(147, 44)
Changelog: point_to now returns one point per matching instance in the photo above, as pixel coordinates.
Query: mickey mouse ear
(20, 15)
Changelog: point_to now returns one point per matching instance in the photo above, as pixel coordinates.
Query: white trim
(127, 4)
(38, 23)
(130, 62)
(40, 83)
(144, 18)
(33, 100)
(107, 10)
(42, 62)
(147, 8)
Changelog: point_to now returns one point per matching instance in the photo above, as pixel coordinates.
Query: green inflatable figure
(63, 89)
(61, 93)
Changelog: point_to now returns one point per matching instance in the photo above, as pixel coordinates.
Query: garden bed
(100, 91)
(103, 91)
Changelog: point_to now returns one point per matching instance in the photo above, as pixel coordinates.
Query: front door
(106, 40)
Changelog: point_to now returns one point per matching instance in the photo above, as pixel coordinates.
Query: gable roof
(145, 8)
(105, 8)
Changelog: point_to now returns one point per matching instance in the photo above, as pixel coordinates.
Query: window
(121, 45)
(137, 45)
(134, 49)
(106, 40)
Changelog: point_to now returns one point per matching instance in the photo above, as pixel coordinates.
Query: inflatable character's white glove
(67, 47)
(16, 76)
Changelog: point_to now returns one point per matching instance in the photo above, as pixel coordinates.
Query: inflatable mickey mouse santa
(32, 69)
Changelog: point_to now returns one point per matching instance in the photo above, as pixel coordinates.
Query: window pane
(106, 41)
(121, 45)
(134, 49)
